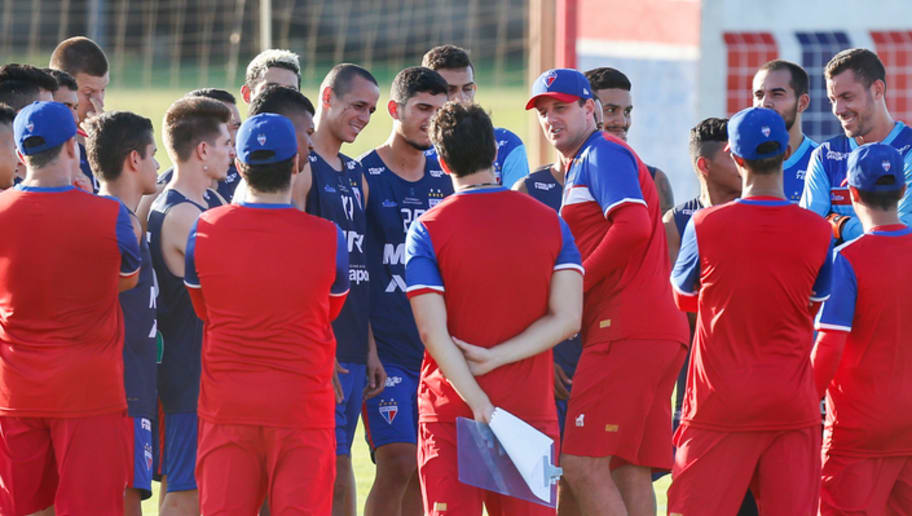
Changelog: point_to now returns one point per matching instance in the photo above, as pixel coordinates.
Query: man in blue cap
(618, 423)
(266, 406)
(862, 360)
(62, 401)
(754, 270)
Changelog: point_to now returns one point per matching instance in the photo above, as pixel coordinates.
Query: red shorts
(620, 404)
(237, 466)
(713, 470)
(443, 493)
(866, 486)
(78, 464)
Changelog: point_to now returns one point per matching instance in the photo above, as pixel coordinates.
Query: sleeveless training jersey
(684, 211)
(338, 196)
(181, 329)
(824, 192)
(225, 188)
(140, 351)
(795, 169)
(542, 186)
(391, 207)
(86, 168)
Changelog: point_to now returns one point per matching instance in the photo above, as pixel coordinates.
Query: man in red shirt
(62, 402)
(456, 277)
(754, 270)
(862, 359)
(634, 339)
(266, 405)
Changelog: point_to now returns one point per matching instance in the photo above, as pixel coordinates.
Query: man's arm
(663, 187)
(515, 166)
(627, 230)
(520, 186)
(685, 276)
(671, 236)
(300, 187)
(128, 244)
(175, 230)
(145, 205)
(561, 321)
(834, 323)
(816, 194)
(191, 277)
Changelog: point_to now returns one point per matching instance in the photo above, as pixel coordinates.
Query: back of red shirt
(869, 401)
(61, 326)
(634, 301)
(756, 264)
(266, 273)
(491, 254)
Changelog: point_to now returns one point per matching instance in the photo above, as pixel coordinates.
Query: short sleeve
(422, 274)
(816, 194)
(340, 285)
(838, 311)
(824, 280)
(686, 273)
(613, 177)
(191, 277)
(127, 242)
(569, 256)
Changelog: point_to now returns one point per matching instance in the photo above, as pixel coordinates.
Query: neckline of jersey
(267, 205)
(342, 157)
(44, 189)
(484, 190)
(798, 153)
(424, 176)
(764, 200)
(891, 230)
(897, 127)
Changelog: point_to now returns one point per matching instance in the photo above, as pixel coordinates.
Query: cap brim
(556, 95)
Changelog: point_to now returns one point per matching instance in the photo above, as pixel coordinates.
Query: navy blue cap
(751, 127)
(266, 132)
(564, 84)
(875, 167)
(47, 123)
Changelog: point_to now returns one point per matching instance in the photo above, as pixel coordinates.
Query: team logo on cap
(765, 130)
(886, 165)
(550, 78)
(30, 127)
(261, 139)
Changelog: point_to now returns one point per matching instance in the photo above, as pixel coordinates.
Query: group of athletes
(222, 326)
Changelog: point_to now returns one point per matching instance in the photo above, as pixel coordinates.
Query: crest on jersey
(388, 410)
(765, 130)
(261, 139)
(30, 127)
(550, 78)
(147, 454)
(886, 165)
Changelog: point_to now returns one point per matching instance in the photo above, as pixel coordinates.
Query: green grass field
(506, 108)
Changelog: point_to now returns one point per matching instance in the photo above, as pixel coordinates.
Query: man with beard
(404, 183)
(783, 87)
(856, 86)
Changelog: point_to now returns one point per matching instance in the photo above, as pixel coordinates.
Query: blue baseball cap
(266, 132)
(40, 126)
(563, 84)
(875, 167)
(751, 127)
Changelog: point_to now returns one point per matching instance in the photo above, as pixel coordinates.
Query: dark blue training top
(392, 205)
(542, 186)
(181, 329)
(684, 211)
(337, 195)
(86, 168)
(225, 188)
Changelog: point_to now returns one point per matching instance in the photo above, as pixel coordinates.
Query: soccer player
(783, 87)
(266, 411)
(862, 359)
(338, 192)
(196, 136)
(634, 339)
(751, 414)
(224, 187)
(271, 66)
(454, 65)
(62, 403)
(612, 89)
(856, 86)
(9, 161)
(84, 60)
(121, 148)
(66, 91)
(404, 183)
(456, 276)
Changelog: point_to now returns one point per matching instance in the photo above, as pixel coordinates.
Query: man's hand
(480, 360)
(483, 411)
(337, 384)
(376, 375)
(562, 383)
(82, 182)
(837, 222)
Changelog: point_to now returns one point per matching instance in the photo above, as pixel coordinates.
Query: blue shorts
(392, 416)
(561, 415)
(347, 411)
(141, 472)
(179, 458)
